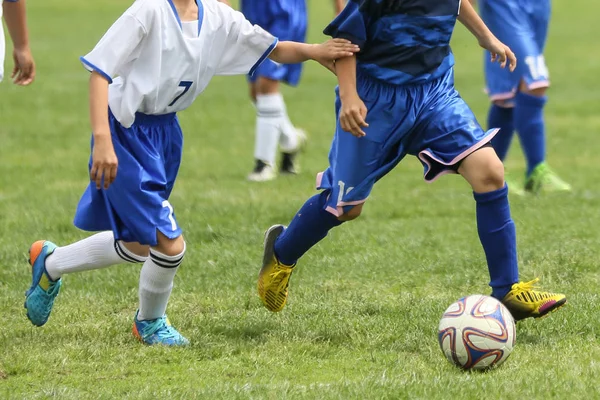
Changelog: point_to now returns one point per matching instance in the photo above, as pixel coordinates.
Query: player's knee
(170, 247)
(351, 214)
(492, 174)
(132, 251)
(483, 170)
(266, 86)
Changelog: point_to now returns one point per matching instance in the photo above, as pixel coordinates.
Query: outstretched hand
(23, 72)
(334, 49)
(500, 52)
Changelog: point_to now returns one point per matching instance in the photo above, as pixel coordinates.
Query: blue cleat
(39, 298)
(157, 331)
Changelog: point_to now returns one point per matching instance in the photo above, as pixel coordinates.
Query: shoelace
(529, 289)
(50, 294)
(281, 274)
(160, 327)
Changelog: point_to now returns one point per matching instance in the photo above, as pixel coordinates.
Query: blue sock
(499, 239)
(501, 117)
(529, 122)
(308, 227)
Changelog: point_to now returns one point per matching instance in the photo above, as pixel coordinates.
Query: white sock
(97, 251)
(269, 113)
(289, 134)
(156, 283)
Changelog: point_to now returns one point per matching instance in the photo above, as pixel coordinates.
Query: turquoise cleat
(39, 298)
(157, 331)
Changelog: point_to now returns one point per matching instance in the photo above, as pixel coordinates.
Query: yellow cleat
(524, 302)
(274, 277)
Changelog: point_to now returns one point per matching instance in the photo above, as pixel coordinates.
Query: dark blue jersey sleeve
(351, 24)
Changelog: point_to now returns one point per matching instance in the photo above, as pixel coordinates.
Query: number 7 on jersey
(186, 85)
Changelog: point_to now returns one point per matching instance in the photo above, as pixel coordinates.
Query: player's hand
(24, 71)
(500, 52)
(104, 161)
(353, 115)
(333, 49)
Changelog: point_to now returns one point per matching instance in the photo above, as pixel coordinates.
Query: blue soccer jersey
(401, 41)
(406, 81)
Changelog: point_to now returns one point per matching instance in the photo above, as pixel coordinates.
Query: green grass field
(365, 303)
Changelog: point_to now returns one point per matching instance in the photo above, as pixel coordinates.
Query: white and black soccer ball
(477, 332)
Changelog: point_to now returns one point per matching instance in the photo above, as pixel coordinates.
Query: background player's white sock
(269, 113)
(97, 251)
(156, 283)
(289, 134)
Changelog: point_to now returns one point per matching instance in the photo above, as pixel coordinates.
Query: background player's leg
(501, 116)
(268, 119)
(529, 122)
(273, 127)
(531, 128)
(95, 252)
(485, 173)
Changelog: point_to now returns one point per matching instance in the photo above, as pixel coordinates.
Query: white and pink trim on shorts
(504, 96)
(425, 153)
(339, 209)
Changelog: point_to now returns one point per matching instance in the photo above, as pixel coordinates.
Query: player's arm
(325, 53)
(119, 46)
(339, 6)
(104, 159)
(499, 51)
(23, 72)
(353, 112)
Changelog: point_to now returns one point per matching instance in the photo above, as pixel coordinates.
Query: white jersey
(160, 67)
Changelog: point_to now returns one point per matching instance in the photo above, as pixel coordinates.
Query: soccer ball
(477, 332)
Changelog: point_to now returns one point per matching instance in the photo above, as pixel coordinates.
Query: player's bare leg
(485, 173)
(530, 125)
(151, 325)
(273, 128)
(49, 263)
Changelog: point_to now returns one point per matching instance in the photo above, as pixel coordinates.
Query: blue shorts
(523, 26)
(285, 19)
(430, 121)
(136, 204)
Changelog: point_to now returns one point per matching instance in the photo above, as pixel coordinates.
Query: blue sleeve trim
(263, 57)
(91, 67)
(200, 15)
(11, 1)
